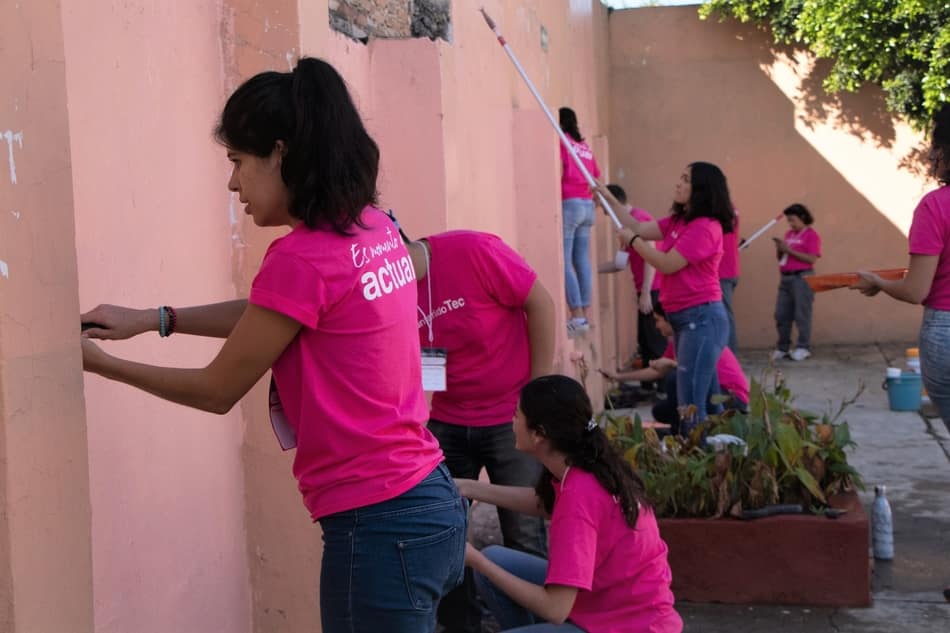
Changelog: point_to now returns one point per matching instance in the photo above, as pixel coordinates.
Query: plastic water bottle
(882, 526)
(912, 358)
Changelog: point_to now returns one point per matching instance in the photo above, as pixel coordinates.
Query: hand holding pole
(758, 233)
(557, 127)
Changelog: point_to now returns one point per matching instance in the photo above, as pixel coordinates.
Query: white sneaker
(577, 326)
(800, 353)
(779, 355)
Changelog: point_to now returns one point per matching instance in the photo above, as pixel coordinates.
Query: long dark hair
(940, 145)
(708, 198)
(558, 408)
(330, 162)
(568, 120)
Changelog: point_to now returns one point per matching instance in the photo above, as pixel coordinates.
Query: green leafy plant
(789, 457)
(903, 46)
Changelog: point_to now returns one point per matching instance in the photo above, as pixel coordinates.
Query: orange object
(831, 281)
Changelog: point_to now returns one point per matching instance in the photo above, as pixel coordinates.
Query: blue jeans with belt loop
(577, 223)
(700, 334)
(935, 359)
(387, 565)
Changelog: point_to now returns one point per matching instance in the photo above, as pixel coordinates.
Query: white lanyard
(428, 320)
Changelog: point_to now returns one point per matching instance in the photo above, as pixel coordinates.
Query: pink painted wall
(45, 557)
(145, 83)
(686, 90)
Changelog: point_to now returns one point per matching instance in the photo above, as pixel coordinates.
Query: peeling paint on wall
(10, 136)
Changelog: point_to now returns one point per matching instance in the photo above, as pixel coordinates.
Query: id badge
(433, 368)
(282, 429)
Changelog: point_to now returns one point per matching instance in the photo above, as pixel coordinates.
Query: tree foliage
(903, 46)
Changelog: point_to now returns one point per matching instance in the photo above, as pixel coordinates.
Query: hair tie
(591, 425)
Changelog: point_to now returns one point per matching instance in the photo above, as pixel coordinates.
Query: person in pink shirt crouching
(607, 571)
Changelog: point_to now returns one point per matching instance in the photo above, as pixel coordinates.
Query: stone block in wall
(392, 19)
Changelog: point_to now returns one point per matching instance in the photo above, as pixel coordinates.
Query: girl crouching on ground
(608, 569)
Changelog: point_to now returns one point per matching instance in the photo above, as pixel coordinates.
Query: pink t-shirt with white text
(479, 287)
(350, 382)
(930, 235)
(635, 262)
(622, 574)
(728, 370)
(805, 241)
(573, 183)
(729, 265)
(700, 244)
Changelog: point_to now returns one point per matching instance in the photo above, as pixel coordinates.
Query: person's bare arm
(215, 320)
(913, 288)
(256, 342)
(539, 312)
(515, 498)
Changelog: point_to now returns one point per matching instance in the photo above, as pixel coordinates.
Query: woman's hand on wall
(118, 322)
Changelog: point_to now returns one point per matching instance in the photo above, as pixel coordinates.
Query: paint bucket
(903, 392)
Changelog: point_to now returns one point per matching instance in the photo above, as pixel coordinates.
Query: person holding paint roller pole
(332, 312)
(797, 253)
(688, 255)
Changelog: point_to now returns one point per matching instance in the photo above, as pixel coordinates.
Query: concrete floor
(907, 452)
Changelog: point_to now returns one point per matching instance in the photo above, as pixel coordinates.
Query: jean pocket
(432, 565)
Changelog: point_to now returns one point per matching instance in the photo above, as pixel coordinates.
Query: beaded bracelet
(167, 319)
(172, 319)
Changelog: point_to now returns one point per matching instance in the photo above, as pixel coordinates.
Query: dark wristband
(632, 240)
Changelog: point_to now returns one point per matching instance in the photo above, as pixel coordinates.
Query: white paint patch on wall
(15, 214)
(4, 269)
(10, 136)
(291, 57)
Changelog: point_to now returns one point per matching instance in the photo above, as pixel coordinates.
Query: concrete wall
(45, 557)
(684, 90)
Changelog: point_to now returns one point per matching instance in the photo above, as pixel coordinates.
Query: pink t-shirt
(728, 370)
(350, 382)
(930, 235)
(805, 241)
(729, 266)
(635, 262)
(573, 183)
(622, 574)
(700, 243)
(479, 287)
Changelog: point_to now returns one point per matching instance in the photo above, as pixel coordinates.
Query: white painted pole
(765, 228)
(557, 127)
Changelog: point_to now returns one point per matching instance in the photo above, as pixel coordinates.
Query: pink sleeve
(813, 243)
(505, 274)
(669, 352)
(926, 235)
(572, 542)
(699, 240)
(289, 285)
(664, 224)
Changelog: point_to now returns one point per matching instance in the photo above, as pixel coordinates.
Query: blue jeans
(386, 566)
(577, 222)
(511, 615)
(728, 286)
(700, 334)
(935, 359)
(467, 449)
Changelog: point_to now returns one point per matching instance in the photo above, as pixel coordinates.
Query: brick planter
(786, 559)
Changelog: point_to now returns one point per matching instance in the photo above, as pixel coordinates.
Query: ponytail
(558, 408)
(330, 163)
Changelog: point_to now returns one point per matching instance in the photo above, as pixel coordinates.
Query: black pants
(467, 449)
(650, 343)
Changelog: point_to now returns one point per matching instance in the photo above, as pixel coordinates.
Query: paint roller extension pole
(765, 228)
(557, 127)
